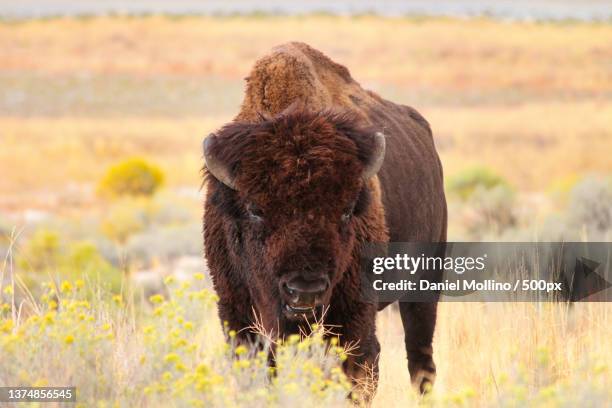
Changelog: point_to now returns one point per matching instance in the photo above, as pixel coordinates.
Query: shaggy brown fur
(296, 151)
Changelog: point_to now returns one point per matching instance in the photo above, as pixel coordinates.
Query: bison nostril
(305, 289)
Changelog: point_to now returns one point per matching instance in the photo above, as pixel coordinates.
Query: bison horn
(214, 166)
(377, 158)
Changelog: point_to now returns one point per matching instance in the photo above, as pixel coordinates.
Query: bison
(312, 167)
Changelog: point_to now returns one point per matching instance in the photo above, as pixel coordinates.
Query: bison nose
(305, 293)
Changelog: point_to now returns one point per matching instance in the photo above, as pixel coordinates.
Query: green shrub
(42, 251)
(164, 244)
(493, 211)
(131, 216)
(465, 183)
(83, 261)
(127, 217)
(45, 253)
(133, 177)
(590, 205)
(561, 188)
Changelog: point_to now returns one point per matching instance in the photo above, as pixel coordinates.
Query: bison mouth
(303, 312)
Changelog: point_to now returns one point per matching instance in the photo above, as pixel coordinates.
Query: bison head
(288, 193)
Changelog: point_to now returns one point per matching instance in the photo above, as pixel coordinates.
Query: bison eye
(254, 212)
(347, 215)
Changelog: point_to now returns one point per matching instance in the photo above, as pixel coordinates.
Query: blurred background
(104, 104)
(518, 94)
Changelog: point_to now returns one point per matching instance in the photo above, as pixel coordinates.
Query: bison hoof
(423, 376)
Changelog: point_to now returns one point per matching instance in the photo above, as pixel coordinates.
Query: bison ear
(377, 157)
(216, 167)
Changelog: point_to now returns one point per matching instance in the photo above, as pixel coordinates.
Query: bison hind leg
(422, 373)
(419, 321)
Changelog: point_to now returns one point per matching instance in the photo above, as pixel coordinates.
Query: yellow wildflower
(7, 326)
(66, 286)
(600, 368)
(50, 317)
(156, 299)
(202, 369)
(84, 304)
(172, 358)
(179, 343)
(240, 350)
(239, 364)
(291, 388)
(41, 382)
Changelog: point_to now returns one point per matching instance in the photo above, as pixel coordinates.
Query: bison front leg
(419, 321)
(361, 367)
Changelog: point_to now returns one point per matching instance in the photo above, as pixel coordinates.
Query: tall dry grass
(171, 352)
(507, 354)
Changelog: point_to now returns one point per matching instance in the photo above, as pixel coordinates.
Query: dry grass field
(532, 101)
(499, 354)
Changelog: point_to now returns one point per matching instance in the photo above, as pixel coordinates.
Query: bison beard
(294, 186)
